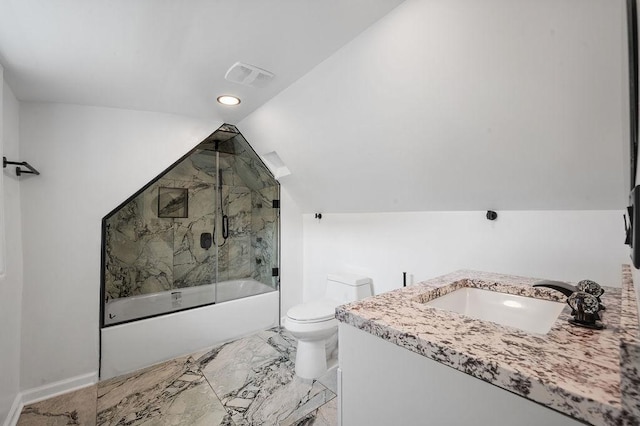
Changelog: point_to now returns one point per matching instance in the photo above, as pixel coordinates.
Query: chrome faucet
(584, 300)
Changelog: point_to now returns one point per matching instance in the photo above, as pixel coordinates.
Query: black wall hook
(491, 215)
(19, 172)
(318, 215)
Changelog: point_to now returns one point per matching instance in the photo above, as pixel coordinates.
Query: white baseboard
(30, 396)
(40, 393)
(14, 412)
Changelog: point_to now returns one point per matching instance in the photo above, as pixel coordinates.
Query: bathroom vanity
(405, 362)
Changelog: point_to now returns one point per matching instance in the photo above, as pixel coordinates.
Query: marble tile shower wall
(264, 230)
(147, 254)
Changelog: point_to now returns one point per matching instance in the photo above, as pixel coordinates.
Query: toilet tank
(345, 287)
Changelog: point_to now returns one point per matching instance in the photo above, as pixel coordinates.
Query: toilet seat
(315, 327)
(313, 312)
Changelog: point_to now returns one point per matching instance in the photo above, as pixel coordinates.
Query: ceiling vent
(248, 75)
(276, 165)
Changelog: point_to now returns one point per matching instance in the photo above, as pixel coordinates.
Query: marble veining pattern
(73, 408)
(573, 370)
(174, 392)
(257, 385)
(147, 254)
(249, 381)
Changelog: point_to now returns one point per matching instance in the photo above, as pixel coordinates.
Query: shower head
(219, 141)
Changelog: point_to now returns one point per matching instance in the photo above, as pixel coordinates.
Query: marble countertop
(590, 375)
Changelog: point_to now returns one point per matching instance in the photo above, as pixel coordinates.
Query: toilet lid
(315, 311)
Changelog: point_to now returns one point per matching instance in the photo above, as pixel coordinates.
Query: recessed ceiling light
(228, 100)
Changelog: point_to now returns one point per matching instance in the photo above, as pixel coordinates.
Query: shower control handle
(225, 226)
(206, 240)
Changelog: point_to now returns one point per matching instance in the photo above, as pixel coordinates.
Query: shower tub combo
(148, 305)
(139, 343)
(191, 260)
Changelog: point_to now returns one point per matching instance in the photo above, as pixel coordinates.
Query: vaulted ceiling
(170, 56)
(462, 105)
(377, 105)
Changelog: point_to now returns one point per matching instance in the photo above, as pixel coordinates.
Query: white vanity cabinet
(380, 383)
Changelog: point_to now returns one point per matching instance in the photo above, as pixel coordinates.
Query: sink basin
(526, 313)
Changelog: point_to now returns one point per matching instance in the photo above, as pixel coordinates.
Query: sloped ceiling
(430, 105)
(170, 56)
(461, 105)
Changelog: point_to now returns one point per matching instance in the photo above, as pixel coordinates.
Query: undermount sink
(526, 313)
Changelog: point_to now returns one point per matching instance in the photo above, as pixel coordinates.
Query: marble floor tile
(281, 340)
(73, 408)
(327, 415)
(289, 403)
(250, 381)
(171, 393)
(231, 365)
(256, 382)
(330, 380)
(196, 405)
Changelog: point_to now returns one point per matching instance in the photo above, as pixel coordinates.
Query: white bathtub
(147, 305)
(133, 345)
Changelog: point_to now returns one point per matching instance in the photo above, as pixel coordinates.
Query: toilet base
(316, 342)
(311, 359)
(314, 358)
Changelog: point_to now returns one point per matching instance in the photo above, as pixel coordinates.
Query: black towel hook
(19, 172)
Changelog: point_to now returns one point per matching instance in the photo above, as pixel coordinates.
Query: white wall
(461, 105)
(561, 245)
(448, 108)
(10, 238)
(91, 159)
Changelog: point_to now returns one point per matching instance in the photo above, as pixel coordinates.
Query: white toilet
(314, 325)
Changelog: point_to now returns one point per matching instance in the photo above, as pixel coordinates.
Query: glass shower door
(204, 231)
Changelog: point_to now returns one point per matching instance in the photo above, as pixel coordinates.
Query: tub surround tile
(573, 370)
(239, 209)
(147, 254)
(73, 408)
(139, 257)
(198, 167)
(264, 230)
(239, 257)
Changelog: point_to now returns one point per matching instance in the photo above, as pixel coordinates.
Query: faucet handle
(585, 308)
(584, 300)
(593, 288)
(590, 287)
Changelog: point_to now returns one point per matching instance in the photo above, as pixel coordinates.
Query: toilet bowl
(314, 326)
